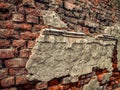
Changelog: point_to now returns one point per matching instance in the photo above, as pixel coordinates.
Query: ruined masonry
(61, 53)
(59, 45)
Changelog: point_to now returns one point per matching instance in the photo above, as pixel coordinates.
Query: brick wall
(20, 25)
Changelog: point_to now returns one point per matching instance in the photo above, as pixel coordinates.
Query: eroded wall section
(61, 53)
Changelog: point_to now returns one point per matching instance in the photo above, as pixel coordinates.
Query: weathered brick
(17, 71)
(6, 53)
(24, 27)
(56, 87)
(32, 19)
(69, 5)
(4, 43)
(6, 33)
(13, 88)
(3, 73)
(1, 64)
(31, 11)
(24, 53)
(4, 5)
(19, 43)
(17, 17)
(6, 24)
(41, 85)
(37, 27)
(31, 43)
(28, 35)
(86, 30)
(21, 80)
(16, 62)
(7, 82)
(5, 16)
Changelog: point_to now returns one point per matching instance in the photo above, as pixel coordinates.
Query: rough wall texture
(20, 23)
(55, 58)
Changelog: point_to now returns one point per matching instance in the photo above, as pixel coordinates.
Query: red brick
(1, 64)
(37, 27)
(86, 30)
(4, 43)
(6, 53)
(53, 87)
(7, 82)
(24, 27)
(16, 62)
(3, 73)
(32, 19)
(31, 44)
(6, 33)
(21, 80)
(5, 16)
(6, 25)
(13, 88)
(19, 43)
(69, 5)
(31, 11)
(17, 71)
(25, 53)
(4, 5)
(17, 17)
(28, 35)
(41, 85)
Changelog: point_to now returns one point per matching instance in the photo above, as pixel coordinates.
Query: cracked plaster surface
(53, 57)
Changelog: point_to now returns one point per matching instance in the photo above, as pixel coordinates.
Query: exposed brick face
(4, 43)
(6, 53)
(21, 80)
(25, 53)
(6, 33)
(18, 17)
(17, 71)
(19, 43)
(32, 19)
(31, 43)
(16, 62)
(3, 73)
(20, 26)
(7, 82)
(23, 27)
(28, 35)
(41, 85)
(4, 5)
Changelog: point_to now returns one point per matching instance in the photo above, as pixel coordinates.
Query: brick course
(20, 25)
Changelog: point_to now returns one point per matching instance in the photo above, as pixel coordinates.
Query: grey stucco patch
(92, 85)
(58, 56)
(52, 19)
(115, 31)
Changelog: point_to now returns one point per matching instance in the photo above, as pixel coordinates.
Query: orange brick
(41, 85)
(29, 35)
(25, 53)
(21, 80)
(16, 62)
(4, 43)
(6, 53)
(31, 44)
(7, 82)
(17, 71)
(24, 27)
(17, 17)
(3, 73)
(19, 43)
(8, 33)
